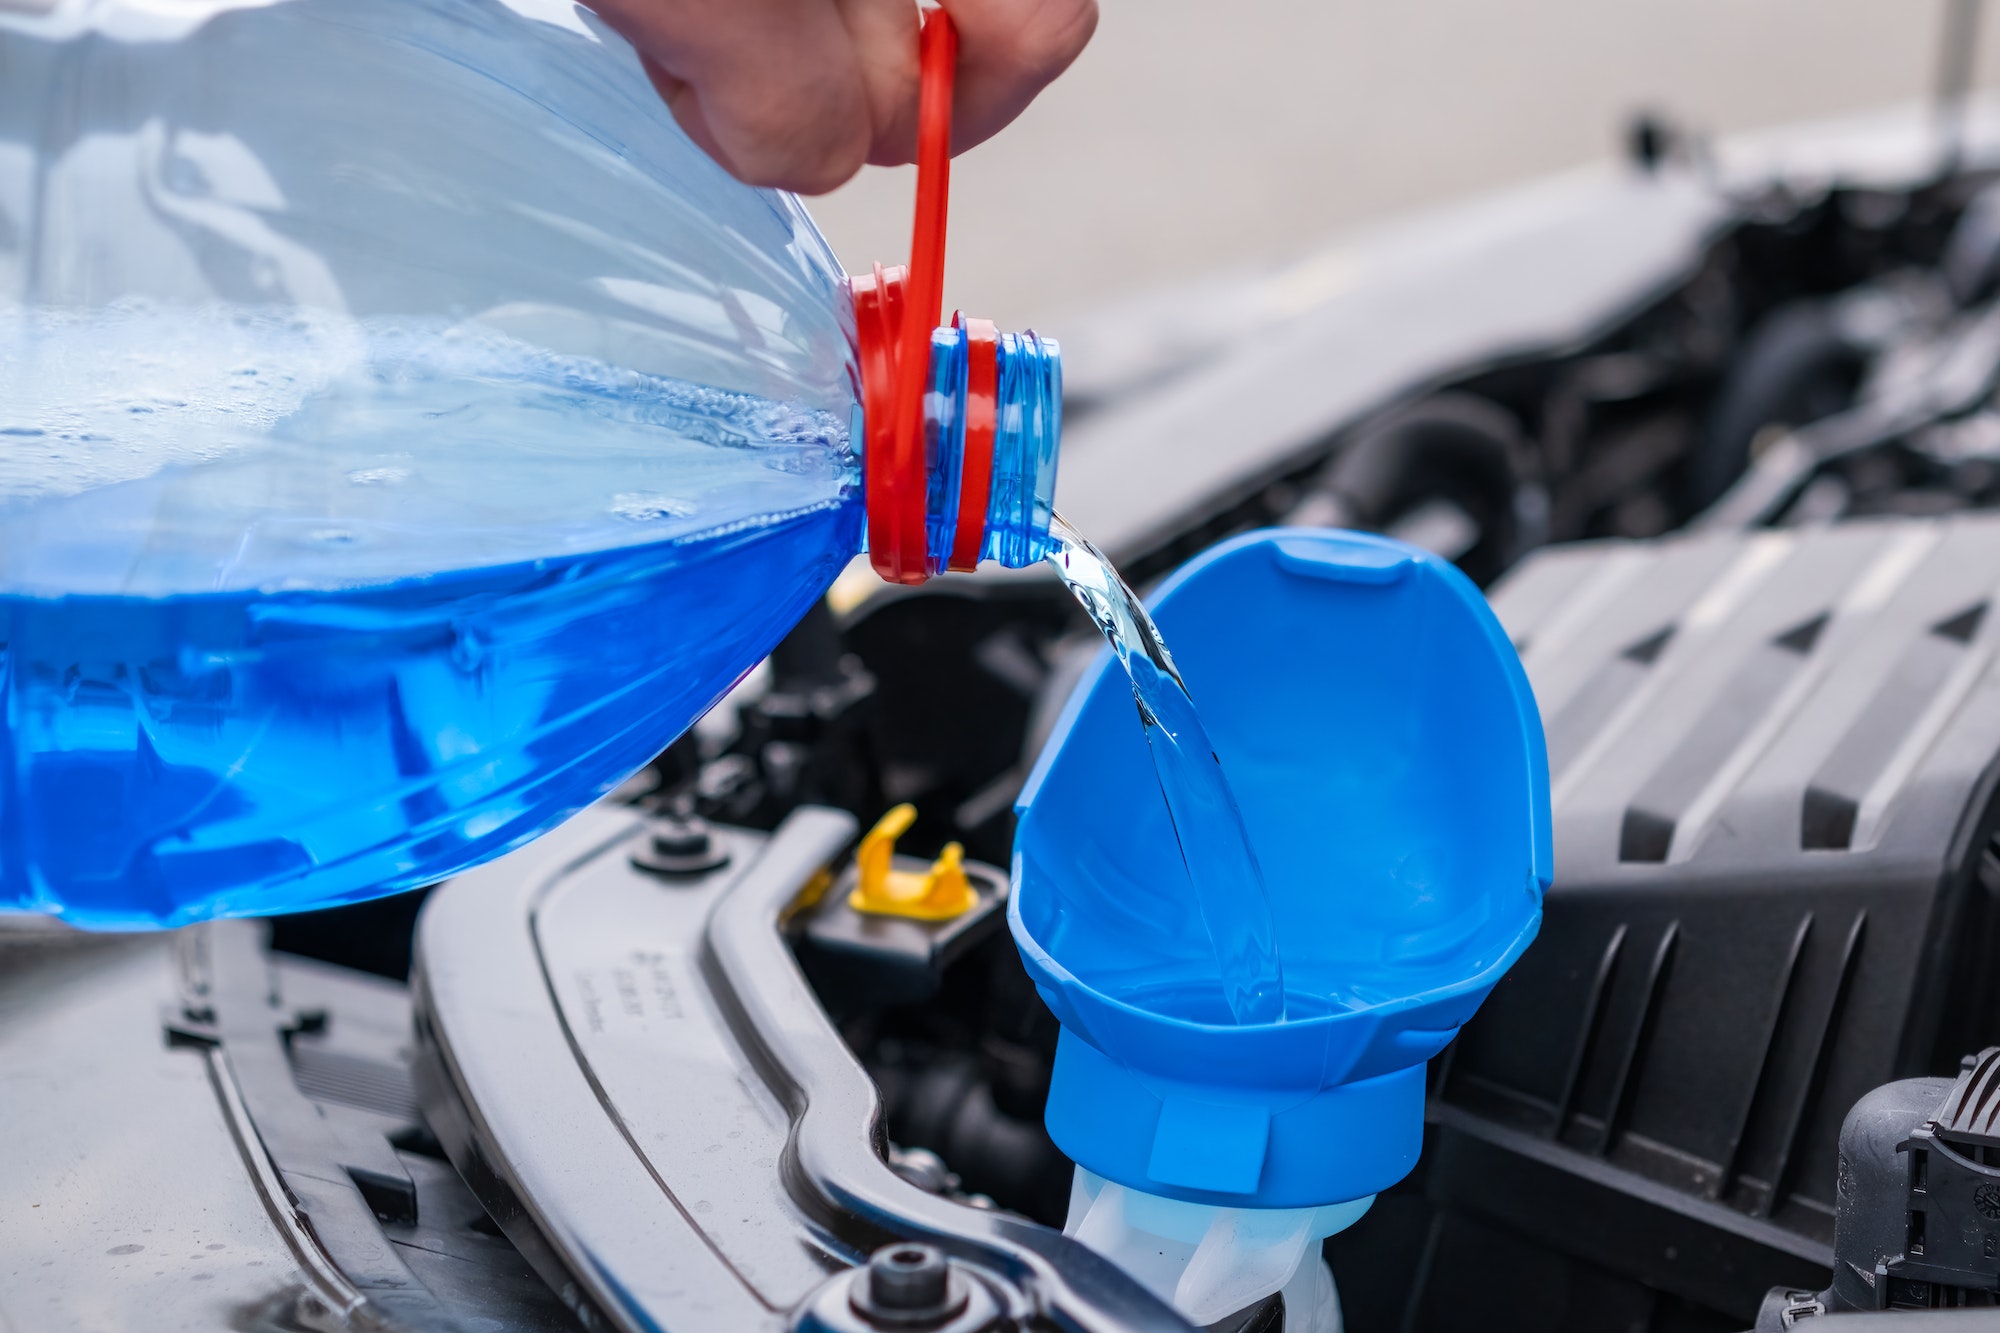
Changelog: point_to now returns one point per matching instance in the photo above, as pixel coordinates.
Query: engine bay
(1730, 493)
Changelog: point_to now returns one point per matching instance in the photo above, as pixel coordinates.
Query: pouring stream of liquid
(1215, 848)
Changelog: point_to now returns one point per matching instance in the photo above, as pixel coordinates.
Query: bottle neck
(957, 434)
(992, 421)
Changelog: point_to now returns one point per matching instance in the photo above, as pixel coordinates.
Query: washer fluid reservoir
(406, 431)
(1388, 759)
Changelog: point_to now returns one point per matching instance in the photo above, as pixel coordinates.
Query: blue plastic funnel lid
(1382, 741)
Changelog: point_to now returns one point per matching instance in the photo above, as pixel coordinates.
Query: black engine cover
(1772, 759)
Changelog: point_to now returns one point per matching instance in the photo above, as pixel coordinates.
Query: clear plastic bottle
(405, 432)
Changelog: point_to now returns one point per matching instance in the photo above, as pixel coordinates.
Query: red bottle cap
(895, 311)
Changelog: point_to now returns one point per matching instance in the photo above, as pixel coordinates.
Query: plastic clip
(939, 895)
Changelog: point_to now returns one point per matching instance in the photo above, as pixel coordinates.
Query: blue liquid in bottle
(222, 692)
(405, 432)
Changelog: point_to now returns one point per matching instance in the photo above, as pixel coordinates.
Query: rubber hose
(1452, 446)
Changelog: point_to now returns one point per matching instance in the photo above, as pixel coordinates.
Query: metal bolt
(683, 838)
(909, 1286)
(922, 1168)
(908, 1279)
(682, 846)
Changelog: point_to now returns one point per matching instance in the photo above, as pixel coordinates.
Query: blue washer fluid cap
(1383, 743)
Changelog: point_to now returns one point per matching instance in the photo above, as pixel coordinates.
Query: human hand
(798, 94)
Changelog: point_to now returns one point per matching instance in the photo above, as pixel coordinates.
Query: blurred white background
(1196, 133)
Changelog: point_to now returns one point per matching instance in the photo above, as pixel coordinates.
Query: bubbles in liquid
(1215, 848)
(351, 605)
(158, 450)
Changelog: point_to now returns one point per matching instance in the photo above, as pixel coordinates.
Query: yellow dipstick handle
(939, 895)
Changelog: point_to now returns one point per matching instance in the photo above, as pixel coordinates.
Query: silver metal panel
(635, 1240)
(630, 998)
(125, 1202)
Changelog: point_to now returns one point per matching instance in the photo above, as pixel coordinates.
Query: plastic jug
(1388, 759)
(405, 432)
